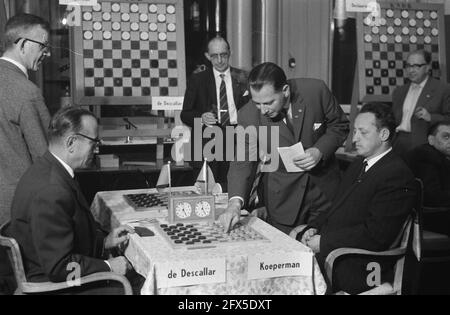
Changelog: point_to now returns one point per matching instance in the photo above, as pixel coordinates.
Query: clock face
(183, 210)
(202, 209)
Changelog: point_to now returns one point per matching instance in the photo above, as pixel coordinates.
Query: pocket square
(317, 126)
(245, 93)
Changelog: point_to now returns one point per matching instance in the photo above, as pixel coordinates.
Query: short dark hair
(18, 25)
(66, 120)
(432, 131)
(424, 53)
(267, 73)
(217, 38)
(384, 116)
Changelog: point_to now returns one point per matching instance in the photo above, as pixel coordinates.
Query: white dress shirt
(20, 66)
(409, 105)
(371, 162)
(230, 98)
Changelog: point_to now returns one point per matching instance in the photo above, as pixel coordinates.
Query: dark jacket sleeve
(191, 106)
(53, 236)
(388, 210)
(337, 124)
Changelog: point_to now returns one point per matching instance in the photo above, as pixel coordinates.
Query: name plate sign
(167, 103)
(177, 274)
(281, 265)
(361, 5)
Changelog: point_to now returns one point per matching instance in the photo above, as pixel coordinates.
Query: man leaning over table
(50, 218)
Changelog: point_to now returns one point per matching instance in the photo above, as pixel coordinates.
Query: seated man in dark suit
(431, 163)
(374, 199)
(50, 218)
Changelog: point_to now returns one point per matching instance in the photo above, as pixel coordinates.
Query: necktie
(363, 170)
(287, 119)
(253, 201)
(224, 114)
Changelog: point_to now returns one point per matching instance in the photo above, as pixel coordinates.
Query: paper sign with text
(360, 5)
(167, 103)
(281, 265)
(176, 274)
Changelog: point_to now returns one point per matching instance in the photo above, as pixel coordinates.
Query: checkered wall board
(383, 49)
(126, 52)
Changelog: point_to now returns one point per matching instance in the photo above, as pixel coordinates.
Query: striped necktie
(224, 114)
(253, 201)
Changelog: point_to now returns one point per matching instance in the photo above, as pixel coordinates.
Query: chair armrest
(37, 287)
(335, 254)
(297, 230)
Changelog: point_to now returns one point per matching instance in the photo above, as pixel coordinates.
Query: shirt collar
(217, 73)
(67, 167)
(371, 162)
(17, 64)
(422, 84)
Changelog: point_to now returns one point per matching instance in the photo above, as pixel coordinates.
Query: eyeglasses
(43, 47)
(222, 56)
(97, 140)
(415, 66)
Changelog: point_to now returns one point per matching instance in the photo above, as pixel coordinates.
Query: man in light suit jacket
(202, 98)
(418, 104)
(50, 218)
(374, 199)
(303, 110)
(24, 117)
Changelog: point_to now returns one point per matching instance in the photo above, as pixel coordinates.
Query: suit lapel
(298, 113)
(236, 87)
(211, 88)
(398, 110)
(427, 92)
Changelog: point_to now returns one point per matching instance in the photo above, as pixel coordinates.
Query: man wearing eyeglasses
(418, 104)
(215, 95)
(24, 116)
(50, 218)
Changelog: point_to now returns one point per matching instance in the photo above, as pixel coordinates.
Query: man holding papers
(299, 110)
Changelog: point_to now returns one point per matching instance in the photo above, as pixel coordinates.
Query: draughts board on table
(128, 51)
(206, 234)
(383, 48)
(152, 201)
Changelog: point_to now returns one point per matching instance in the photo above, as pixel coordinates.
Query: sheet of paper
(288, 154)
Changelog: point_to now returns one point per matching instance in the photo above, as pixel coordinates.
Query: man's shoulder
(307, 85)
(239, 74)
(424, 153)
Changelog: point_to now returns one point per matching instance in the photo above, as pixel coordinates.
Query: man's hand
(209, 119)
(118, 236)
(308, 235)
(309, 160)
(422, 113)
(314, 244)
(119, 265)
(232, 215)
(200, 188)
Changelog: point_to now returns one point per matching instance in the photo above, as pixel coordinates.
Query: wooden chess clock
(191, 208)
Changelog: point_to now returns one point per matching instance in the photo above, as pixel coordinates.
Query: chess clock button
(405, 14)
(433, 15)
(134, 8)
(183, 210)
(202, 209)
(434, 32)
(115, 7)
(171, 9)
(153, 8)
(87, 16)
(419, 14)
